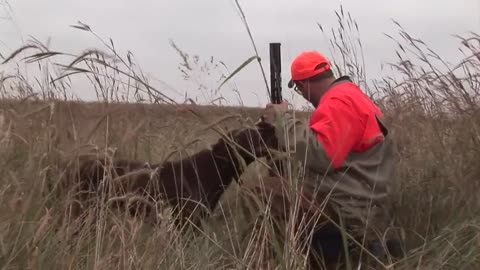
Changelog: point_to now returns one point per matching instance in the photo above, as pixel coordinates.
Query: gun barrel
(275, 73)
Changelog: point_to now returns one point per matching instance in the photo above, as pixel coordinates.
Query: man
(345, 149)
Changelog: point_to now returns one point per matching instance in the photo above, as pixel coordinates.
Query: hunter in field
(344, 154)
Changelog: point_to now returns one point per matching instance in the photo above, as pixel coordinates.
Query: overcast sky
(213, 28)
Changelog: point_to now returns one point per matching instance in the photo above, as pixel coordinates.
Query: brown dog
(192, 186)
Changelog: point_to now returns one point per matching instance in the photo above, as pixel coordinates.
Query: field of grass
(435, 196)
(432, 109)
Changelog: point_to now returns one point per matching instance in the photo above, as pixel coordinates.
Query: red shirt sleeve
(338, 128)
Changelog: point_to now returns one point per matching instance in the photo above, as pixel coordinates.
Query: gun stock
(275, 74)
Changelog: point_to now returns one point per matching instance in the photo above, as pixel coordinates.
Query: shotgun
(276, 86)
(275, 74)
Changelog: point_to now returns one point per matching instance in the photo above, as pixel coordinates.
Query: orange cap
(306, 65)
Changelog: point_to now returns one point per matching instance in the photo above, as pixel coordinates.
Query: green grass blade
(243, 65)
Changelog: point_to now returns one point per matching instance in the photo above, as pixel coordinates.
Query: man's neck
(326, 86)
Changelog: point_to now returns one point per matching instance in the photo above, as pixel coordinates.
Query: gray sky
(213, 28)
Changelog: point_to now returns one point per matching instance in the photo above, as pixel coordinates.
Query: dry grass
(432, 108)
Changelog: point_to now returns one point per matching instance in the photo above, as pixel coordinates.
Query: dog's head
(254, 142)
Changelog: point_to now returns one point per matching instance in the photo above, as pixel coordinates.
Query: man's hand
(272, 109)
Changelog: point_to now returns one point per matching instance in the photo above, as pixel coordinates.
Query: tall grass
(432, 108)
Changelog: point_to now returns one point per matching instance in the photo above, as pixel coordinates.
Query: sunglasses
(296, 89)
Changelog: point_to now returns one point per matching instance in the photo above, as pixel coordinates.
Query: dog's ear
(261, 124)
